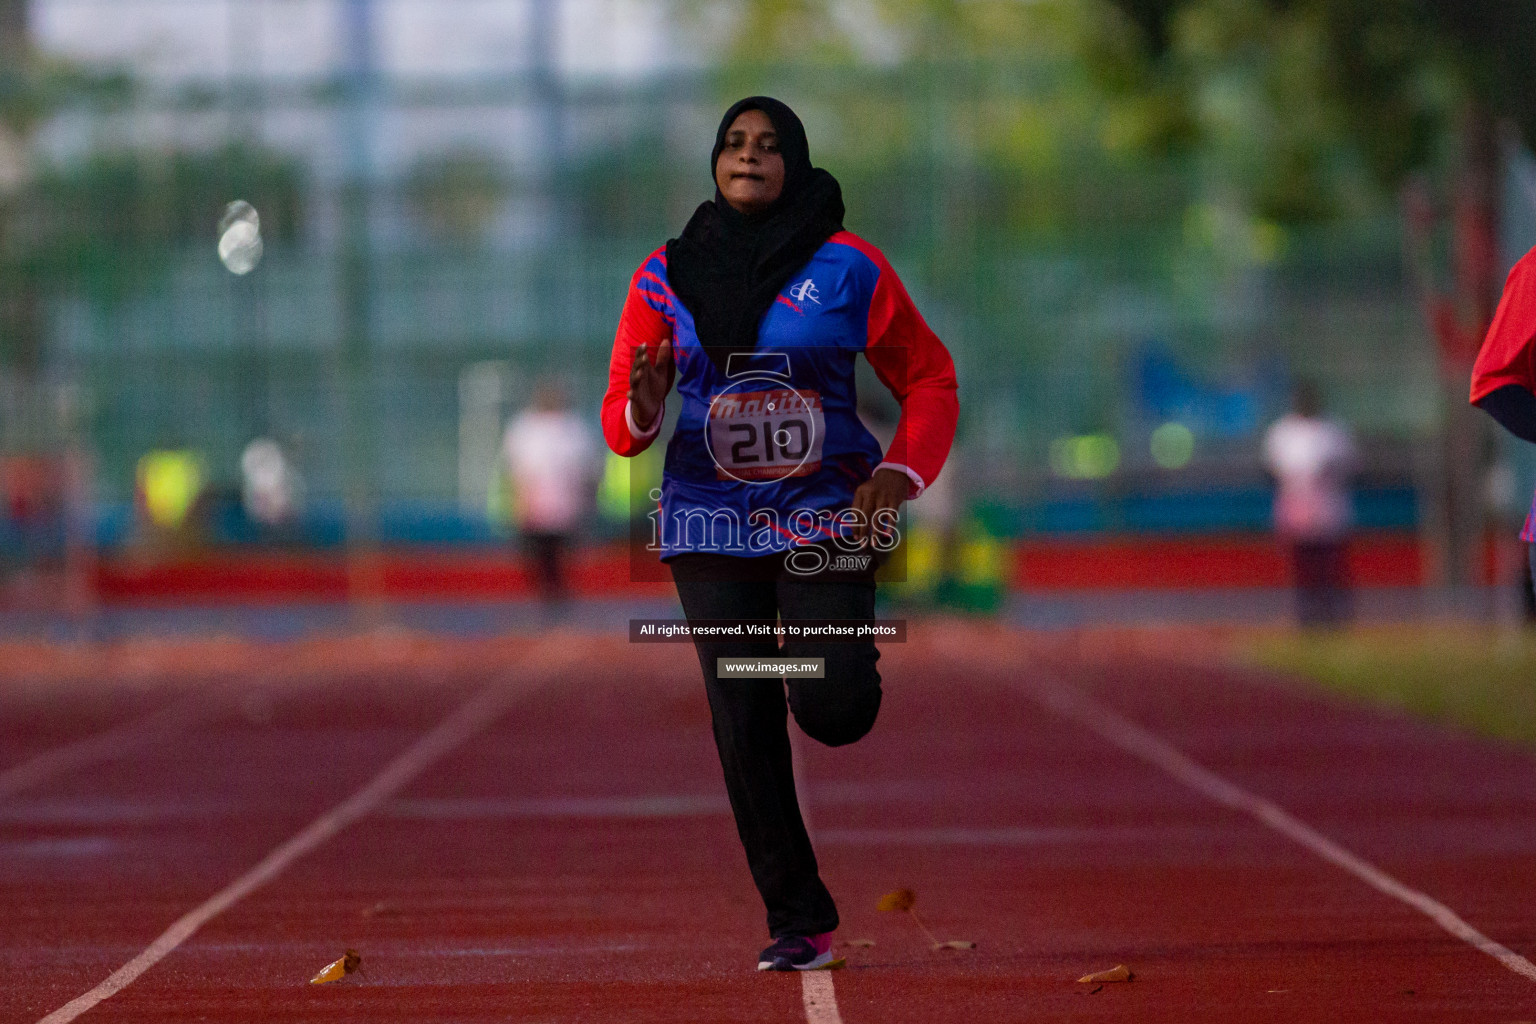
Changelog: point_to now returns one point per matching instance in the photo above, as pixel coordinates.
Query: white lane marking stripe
(820, 999)
(1153, 749)
(104, 746)
(470, 718)
(815, 986)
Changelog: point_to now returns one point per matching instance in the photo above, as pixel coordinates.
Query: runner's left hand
(886, 489)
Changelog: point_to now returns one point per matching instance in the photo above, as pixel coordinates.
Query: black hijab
(727, 267)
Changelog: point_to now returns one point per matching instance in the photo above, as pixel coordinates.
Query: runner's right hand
(650, 378)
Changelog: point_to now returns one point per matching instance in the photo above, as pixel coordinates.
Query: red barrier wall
(1149, 563)
(1161, 563)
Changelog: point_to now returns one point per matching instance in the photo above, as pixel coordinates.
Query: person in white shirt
(1312, 459)
(551, 457)
(271, 490)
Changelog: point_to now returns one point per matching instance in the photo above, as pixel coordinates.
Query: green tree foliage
(1383, 48)
(1495, 40)
(1297, 111)
(457, 194)
(1319, 108)
(114, 217)
(1265, 90)
(31, 87)
(1036, 116)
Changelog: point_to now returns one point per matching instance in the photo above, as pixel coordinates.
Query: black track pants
(750, 723)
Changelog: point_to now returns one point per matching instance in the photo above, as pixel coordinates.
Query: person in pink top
(551, 459)
(1312, 458)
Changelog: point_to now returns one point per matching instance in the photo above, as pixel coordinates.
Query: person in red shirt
(1504, 375)
(774, 493)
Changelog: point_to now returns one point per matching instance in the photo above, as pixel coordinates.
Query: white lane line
(1133, 739)
(820, 999)
(470, 718)
(815, 986)
(104, 746)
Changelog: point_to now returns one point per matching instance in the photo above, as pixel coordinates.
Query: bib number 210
(766, 435)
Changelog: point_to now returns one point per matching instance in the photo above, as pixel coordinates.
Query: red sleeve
(910, 360)
(646, 320)
(1506, 355)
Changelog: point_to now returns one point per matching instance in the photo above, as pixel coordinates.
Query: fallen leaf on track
(859, 943)
(338, 969)
(906, 900)
(1117, 973)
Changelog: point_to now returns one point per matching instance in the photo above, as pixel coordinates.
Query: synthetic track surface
(575, 860)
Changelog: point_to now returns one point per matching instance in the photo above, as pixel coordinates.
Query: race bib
(765, 435)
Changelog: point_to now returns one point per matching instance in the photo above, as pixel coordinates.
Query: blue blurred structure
(1169, 390)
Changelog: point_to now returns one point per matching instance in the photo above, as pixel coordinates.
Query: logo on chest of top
(800, 294)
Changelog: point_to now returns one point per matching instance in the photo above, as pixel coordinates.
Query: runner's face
(750, 171)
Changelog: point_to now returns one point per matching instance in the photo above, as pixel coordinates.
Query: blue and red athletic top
(1507, 355)
(769, 449)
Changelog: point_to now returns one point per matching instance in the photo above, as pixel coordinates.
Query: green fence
(495, 222)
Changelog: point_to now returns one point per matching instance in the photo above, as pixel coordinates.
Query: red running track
(574, 861)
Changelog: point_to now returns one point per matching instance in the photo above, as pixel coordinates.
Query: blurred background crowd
(1143, 227)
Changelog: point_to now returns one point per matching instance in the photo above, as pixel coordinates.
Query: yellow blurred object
(613, 491)
(1085, 456)
(983, 560)
(924, 557)
(338, 969)
(901, 899)
(1117, 973)
(170, 482)
(1172, 445)
(624, 491)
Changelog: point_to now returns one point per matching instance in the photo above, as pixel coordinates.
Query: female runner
(775, 498)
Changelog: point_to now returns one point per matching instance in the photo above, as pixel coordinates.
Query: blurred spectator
(1511, 567)
(551, 459)
(32, 531)
(270, 488)
(1312, 459)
